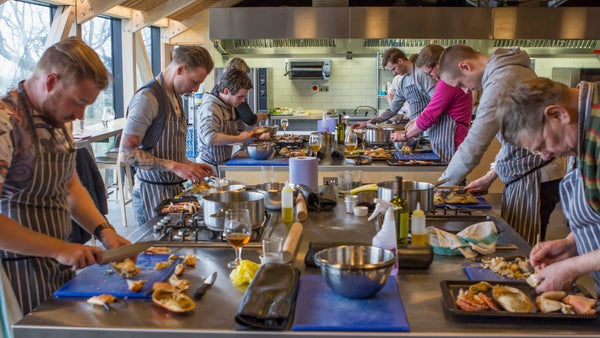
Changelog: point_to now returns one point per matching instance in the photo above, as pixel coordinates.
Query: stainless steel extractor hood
(364, 31)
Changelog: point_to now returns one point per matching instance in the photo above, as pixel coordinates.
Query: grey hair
(520, 108)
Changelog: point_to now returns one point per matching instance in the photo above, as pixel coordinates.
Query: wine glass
(351, 142)
(108, 116)
(237, 232)
(284, 124)
(315, 142)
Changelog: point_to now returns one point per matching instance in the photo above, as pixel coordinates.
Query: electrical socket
(330, 180)
(323, 88)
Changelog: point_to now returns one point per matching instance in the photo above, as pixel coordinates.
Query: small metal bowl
(272, 192)
(355, 271)
(260, 150)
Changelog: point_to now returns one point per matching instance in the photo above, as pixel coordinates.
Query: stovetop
(189, 229)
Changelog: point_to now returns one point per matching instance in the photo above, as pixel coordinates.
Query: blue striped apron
(414, 95)
(36, 197)
(155, 186)
(441, 135)
(521, 196)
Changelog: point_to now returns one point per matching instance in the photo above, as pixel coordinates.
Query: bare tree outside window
(24, 31)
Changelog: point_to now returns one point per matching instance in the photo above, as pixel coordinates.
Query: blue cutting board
(474, 271)
(318, 308)
(482, 204)
(94, 280)
(249, 161)
(425, 156)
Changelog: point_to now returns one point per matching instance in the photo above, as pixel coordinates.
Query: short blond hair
(74, 61)
(452, 56)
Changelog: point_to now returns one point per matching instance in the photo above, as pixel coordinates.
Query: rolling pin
(301, 213)
(291, 242)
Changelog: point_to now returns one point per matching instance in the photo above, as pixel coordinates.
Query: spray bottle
(386, 237)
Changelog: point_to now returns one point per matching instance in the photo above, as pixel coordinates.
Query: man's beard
(49, 110)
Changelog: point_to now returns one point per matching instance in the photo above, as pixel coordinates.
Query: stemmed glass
(315, 142)
(284, 124)
(108, 116)
(351, 142)
(237, 232)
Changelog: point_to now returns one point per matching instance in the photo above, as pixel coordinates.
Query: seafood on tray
(191, 206)
(518, 268)
(514, 300)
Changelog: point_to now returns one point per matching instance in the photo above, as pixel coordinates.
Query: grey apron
(40, 203)
(156, 186)
(414, 95)
(521, 196)
(441, 135)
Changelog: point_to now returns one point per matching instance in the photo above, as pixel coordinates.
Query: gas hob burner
(371, 146)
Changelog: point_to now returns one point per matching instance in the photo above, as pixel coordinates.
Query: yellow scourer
(244, 273)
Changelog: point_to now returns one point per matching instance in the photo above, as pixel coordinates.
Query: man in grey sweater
(531, 184)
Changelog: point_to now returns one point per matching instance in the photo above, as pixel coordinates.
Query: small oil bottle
(287, 204)
(417, 227)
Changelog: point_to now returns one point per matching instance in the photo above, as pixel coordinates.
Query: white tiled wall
(352, 84)
(543, 66)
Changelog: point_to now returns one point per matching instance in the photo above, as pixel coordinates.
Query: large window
(24, 31)
(97, 34)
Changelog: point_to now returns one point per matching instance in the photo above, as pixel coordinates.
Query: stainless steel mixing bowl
(355, 271)
(260, 150)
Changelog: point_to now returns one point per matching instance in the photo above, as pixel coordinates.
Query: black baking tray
(450, 289)
(396, 162)
(173, 200)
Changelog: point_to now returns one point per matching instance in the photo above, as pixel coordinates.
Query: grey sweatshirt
(504, 68)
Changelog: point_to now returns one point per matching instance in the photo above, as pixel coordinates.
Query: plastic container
(287, 204)
(417, 227)
(386, 237)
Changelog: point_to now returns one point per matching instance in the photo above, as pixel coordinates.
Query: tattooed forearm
(131, 154)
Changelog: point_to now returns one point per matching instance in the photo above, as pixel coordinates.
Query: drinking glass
(237, 232)
(315, 142)
(284, 124)
(108, 116)
(351, 142)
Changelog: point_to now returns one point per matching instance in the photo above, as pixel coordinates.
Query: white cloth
(479, 238)
(10, 312)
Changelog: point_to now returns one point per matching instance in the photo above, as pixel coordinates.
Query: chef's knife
(205, 285)
(122, 252)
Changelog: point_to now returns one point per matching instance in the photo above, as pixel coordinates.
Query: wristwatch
(101, 227)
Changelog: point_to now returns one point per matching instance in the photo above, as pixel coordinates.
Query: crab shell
(180, 284)
(101, 299)
(173, 301)
(135, 285)
(512, 299)
(189, 260)
(179, 269)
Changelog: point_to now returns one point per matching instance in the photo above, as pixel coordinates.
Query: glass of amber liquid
(350, 142)
(237, 231)
(315, 142)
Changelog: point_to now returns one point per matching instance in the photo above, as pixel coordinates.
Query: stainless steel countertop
(214, 313)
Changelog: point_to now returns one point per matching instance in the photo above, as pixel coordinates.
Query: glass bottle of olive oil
(400, 211)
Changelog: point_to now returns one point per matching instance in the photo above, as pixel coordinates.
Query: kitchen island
(214, 313)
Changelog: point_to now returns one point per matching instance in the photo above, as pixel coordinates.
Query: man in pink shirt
(448, 114)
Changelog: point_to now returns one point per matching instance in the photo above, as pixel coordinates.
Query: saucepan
(412, 192)
(216, 203)
(378, 135)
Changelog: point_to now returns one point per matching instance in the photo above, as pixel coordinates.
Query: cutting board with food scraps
(509, 270)
(319, 308)
(96, 279)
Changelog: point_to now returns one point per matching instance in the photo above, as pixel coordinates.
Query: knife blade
(200, 290)
(122, 252)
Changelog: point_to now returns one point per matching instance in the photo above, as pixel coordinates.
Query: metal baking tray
(450, 289)
(168, 201)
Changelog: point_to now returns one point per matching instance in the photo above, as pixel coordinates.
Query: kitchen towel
(305, 170)
(479, 238)
(319, 308)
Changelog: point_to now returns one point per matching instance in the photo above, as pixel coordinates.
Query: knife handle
(200, 290)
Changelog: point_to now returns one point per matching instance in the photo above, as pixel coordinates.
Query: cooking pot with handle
(412, 192)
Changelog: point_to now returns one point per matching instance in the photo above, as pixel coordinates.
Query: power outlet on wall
(323, 88)
(330, 180)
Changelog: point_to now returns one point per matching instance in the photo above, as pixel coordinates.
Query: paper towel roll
(305, 170)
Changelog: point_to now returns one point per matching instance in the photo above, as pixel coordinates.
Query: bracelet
(101, 227)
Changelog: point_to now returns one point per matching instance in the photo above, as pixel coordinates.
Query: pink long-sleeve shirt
(452, 101)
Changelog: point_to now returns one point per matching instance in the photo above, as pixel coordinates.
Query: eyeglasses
(429, 72)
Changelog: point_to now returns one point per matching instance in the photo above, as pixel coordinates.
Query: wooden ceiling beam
(175, 28)
(89, 9)
(142, 19)
(120, 12)
(61, 25)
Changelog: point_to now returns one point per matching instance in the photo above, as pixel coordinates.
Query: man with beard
(219, 128)
(40, 190)
(155, 131)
